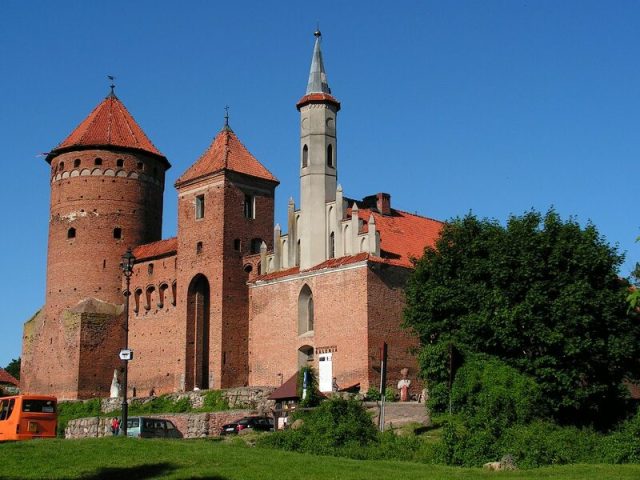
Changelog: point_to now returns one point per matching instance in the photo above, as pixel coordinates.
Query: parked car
(262, 424)
(144, 427)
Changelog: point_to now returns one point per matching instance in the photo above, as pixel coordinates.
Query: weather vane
(226, 116)
(113, 86)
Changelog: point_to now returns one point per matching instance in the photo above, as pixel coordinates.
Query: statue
(115, 386)
(403, 385)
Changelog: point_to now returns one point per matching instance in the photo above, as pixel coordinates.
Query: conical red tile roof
(226, 152)
(109, 125)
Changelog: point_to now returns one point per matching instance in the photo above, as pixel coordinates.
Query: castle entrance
(197, 355)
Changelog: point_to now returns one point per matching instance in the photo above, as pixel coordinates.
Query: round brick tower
(107, 182)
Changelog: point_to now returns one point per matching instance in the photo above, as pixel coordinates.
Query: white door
(326, 372)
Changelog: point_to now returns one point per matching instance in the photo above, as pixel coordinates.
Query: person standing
(115, 426)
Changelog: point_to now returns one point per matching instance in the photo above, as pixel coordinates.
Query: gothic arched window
(305, 311)
(305, 156)
(330, 156)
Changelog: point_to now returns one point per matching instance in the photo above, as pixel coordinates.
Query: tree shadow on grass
(150, 470)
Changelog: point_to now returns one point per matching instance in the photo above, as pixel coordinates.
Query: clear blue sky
(489, 106)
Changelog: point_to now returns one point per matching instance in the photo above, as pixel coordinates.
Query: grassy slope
(133, 458)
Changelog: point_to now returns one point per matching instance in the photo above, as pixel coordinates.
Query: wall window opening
(249, 206)
(199, 248)
(330, 156)
(305, 310)
(236, 244)
(76, 163)
(120, 162)
(117, 233)
(256, 243)
(71, 233)
(199, 207)
(97, 161)
(150, 269)
(305, 156)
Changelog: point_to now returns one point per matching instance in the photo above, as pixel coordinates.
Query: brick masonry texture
(201, 315)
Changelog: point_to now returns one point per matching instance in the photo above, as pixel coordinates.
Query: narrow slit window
(330, 155)
(71, 233)
(236, 244)
(305, 156)
(199, 248)
(199, 207)
(117, 233)
(249, 206)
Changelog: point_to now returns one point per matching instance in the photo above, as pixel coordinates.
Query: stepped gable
(226, 152)
(161, 248)
(109, 125)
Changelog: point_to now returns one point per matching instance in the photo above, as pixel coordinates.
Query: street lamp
(127, 269)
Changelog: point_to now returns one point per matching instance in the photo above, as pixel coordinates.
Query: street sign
(126, 354)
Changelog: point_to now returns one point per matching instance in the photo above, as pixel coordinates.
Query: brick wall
(340, 326)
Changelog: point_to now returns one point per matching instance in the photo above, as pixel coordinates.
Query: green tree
(541, 294)
(14, 368)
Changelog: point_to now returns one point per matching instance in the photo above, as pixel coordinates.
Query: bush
(493, 396)
(373, 394)
(312, 398)
(214, 401)
(623, 445)
(336, 424)
(544, 443)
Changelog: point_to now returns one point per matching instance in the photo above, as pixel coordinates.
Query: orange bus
(23, 417)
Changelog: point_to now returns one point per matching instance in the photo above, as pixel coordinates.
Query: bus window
(6, 407)
(38, 406)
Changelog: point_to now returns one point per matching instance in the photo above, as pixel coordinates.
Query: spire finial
(226, 118)
(317, 33)
(112, 86)
(317, 76)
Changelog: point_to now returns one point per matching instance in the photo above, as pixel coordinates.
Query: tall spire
(317, 76)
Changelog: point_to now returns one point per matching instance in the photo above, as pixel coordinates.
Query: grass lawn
(112, 458)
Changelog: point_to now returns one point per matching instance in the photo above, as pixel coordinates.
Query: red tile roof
(109, 124)
(226, 152)
(156, 249)
(402, 235)
(6, 377)
(317, 98)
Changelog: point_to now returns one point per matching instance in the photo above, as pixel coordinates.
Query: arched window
(305, 156)
(150, 269)
(61, 166)
(332, 245)
(136, 300)
(71, 233)
(305, 311)
(347, 240)
(150, 291)
(330, 155)
(174, 288)
(161, 293)
(76, 163)
(298, 253)
(117, 233)
(256, 243)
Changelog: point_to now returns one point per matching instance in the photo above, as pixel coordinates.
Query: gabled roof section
(6, 377)
(403, 235)
(226, 152)
(109, 125)
(161, 248)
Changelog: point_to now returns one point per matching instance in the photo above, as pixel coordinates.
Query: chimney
(383, 203)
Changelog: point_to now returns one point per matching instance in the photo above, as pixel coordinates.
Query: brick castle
(231, 300)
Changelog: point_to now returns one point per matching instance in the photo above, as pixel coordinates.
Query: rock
(508, 463)
(494, 466)
(297, 424)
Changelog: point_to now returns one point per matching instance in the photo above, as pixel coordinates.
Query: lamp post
(127, 269)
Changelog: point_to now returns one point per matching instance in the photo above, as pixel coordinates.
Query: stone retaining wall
(254, 398)
(191, 425)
